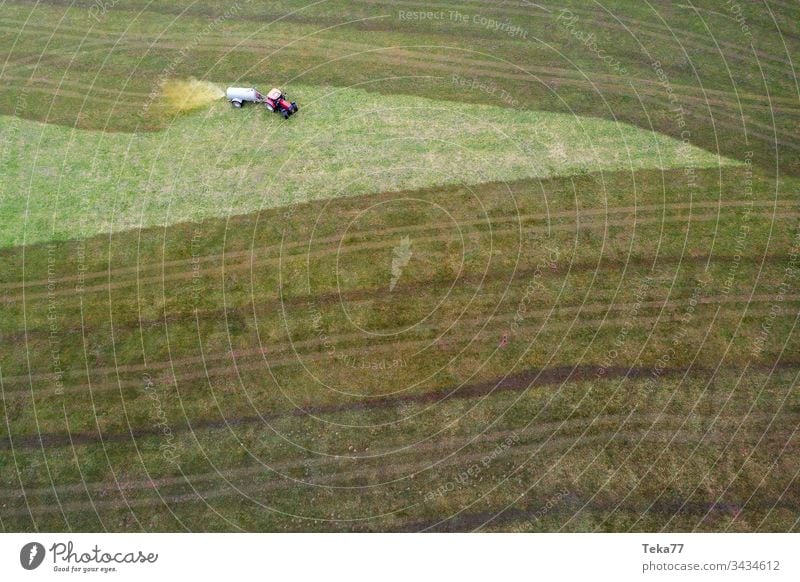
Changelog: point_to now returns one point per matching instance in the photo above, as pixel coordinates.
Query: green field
(223, 161)
(483, 280)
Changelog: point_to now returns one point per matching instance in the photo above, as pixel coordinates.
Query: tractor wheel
(295, 107)
(285, 114)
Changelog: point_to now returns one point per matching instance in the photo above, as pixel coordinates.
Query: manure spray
(186, 95)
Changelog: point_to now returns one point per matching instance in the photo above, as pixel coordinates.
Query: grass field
(481, 281)
(223, 161)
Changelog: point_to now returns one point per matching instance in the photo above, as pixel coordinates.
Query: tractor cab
(276, 101)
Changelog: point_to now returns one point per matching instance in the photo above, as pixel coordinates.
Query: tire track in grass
(564, 310)
(57, 90)
(648, 95)
(514, 383)
(239, 472)
(361, 247)
(309, 348)
(473, 522)
(441, 445)
(597, 81)
(62, 93)
(658, 31)
(266, 300)
(599, 18)
(407, 56)
(643, 87)
(314, 343)
(580, 214)
(526, 451)
(365, 295)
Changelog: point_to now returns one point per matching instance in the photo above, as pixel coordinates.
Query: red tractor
(276, 101)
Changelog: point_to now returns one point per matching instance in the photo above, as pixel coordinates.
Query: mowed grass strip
(344, 142)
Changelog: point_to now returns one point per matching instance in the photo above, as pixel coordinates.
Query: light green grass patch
(63, 183)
